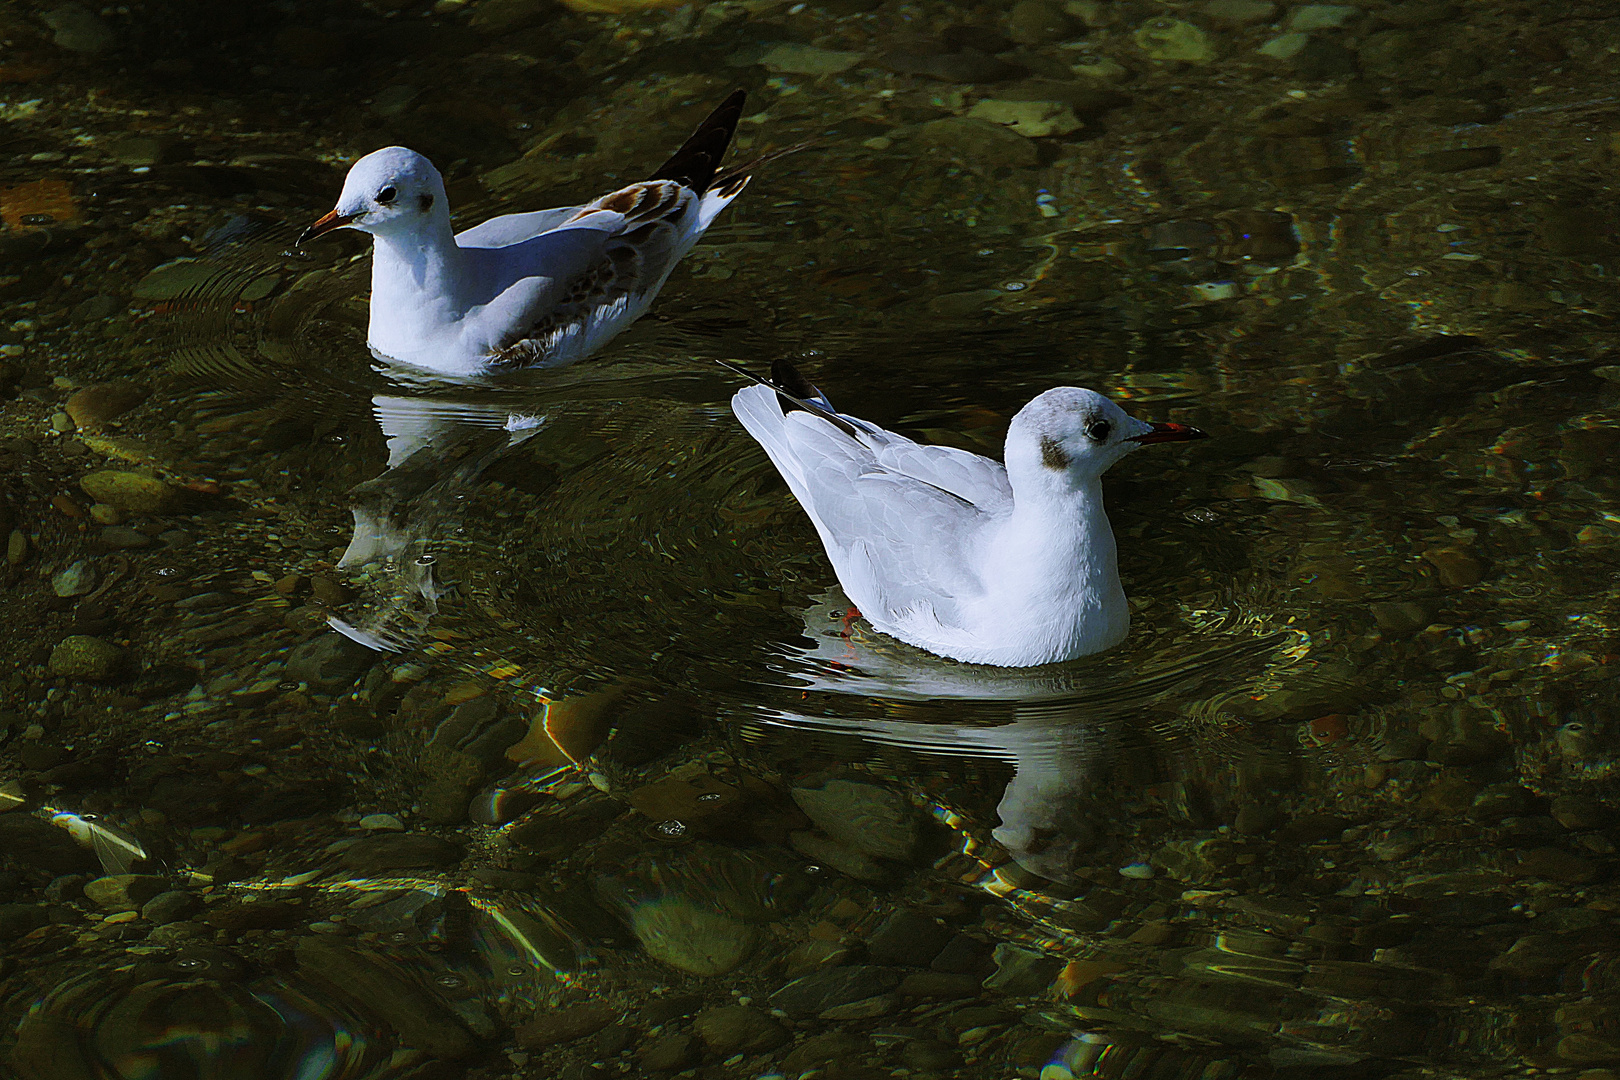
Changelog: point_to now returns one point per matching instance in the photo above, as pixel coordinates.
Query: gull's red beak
(1169, 433)
(331, 221)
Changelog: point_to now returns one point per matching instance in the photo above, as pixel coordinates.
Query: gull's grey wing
(901, 545)
(509, 229)
(968, 476)
(528, 280)
(644, 229)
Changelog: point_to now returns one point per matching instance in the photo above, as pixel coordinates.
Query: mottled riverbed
(598, 779)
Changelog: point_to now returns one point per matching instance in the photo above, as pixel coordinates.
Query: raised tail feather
(788, 383)
(733, 179)
(698, 159)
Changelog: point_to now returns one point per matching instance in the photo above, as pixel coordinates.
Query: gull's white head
(1069, 435)
(387, 191)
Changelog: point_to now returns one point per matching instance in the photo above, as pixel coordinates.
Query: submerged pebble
(75, 579)
(94, 406)
(77, 28)
(1174, 39)
(122, 537)
(1309, 17)
(871, 819)
(690, 936)
(130, 491)
(977, 142)
(381, 823)
(1032, 119)
(124, 892)
(739, 1029)
(824, 851)
(169, 907)
(80, 656)
(794, 59)
(1038, 22)
(551, 1027)
(671, 1053)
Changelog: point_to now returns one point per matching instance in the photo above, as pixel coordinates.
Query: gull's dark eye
(1097, 431)
(387, 195)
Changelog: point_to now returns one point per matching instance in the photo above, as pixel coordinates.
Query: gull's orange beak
(331, 221)
(1169, 433)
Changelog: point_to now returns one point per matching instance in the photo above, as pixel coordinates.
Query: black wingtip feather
(789, 378)
(790, 396)
(698, 159)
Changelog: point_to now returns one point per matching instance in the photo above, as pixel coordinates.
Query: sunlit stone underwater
(360, 723)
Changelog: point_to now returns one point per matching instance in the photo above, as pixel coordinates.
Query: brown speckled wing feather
(633, 259)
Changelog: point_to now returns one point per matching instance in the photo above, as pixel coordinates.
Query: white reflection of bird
(1042, 825)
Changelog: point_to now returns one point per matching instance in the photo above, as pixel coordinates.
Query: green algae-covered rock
(1172, 39)
(130, 491)
(83, 657)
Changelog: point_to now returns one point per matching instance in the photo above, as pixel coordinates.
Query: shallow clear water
(363, 724)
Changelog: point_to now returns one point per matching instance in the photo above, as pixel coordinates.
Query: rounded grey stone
(169, 907)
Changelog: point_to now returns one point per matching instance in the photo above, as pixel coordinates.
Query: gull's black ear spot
(1053, 456)
(425, 201)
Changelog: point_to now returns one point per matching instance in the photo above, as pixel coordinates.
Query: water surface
(366, 724)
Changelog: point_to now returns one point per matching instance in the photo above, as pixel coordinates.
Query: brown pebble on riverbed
(93, 406)
(552, 1026)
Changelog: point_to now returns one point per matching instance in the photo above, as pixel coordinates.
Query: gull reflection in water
(1058, 726)
(439, 445)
